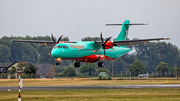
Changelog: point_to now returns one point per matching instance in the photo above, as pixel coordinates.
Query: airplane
(93, 51)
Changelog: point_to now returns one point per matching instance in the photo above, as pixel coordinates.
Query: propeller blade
(97, 49)
(94, 41)
(59, 38)
(53, 38)
(108, 39)
(101, 37)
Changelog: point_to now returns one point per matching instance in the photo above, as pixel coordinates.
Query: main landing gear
(100, 64)
(77, 64)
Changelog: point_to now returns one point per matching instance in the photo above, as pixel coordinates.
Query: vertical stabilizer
(124, 31)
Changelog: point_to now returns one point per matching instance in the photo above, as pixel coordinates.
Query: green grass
(80, 81)
(158, 94)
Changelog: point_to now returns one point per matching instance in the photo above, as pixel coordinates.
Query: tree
(30, 69)
(88, 67)
(69, 71)
(43, 56)
(4, 53)
(23, 51)
(173, 70)
(3, 75)
(162, 67)
(137, 67)
(154, 52)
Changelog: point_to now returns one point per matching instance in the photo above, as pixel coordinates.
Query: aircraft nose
(53, 53)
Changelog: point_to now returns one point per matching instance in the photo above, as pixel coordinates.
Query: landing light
(58, 59)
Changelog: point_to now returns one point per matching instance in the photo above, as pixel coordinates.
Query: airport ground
(156, 94)
(150, 94)
(87, 81)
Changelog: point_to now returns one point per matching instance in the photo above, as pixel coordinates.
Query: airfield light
(58, 59)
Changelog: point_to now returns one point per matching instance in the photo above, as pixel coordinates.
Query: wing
(36, 41)
(141, 41)
(51, 43)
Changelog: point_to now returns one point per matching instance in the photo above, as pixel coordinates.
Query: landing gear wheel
(100, 64)
(77, 64)
(58, 63)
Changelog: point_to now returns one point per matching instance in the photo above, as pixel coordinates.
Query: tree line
(150, 55)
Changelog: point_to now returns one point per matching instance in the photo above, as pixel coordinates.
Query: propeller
(54, 39)
(103, 44)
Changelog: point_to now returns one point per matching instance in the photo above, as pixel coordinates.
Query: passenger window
(59, 46)
(64, 46)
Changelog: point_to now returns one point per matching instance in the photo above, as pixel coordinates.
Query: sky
(77, 19)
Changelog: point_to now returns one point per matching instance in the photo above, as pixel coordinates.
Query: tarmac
(89, 87)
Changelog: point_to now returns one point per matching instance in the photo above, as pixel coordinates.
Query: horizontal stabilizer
(127, 24)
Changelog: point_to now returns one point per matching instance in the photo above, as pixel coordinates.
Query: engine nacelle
(91, 58)
(109, 43)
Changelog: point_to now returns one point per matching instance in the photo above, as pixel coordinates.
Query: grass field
(160, 94)
(79, 81)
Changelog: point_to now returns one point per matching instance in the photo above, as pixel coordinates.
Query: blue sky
(77, 19)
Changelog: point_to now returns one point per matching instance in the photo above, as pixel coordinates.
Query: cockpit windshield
(65, 47)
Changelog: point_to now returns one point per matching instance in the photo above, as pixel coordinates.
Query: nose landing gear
(57, 64)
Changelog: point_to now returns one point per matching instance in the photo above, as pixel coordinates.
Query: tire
(100, 64)
(75, 65)
(78, 64)
(57, 63)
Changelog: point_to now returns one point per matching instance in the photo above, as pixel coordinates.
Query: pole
(19, 96)
(175, 69)
(95, 69)
(112, 68)
(57, 71)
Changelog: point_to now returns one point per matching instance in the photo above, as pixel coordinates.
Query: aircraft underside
(91, 59)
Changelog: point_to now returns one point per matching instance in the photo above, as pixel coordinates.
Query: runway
(89, 87)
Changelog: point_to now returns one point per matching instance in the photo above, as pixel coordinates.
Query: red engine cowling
(109, 43)
(91, 58)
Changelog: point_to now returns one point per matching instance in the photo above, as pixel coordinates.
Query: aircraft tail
(123, 35)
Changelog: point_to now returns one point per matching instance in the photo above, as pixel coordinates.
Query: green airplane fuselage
(85, 48)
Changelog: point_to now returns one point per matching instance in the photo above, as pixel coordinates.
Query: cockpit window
(55, 46)
(62, 47)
